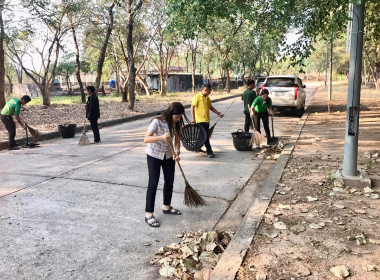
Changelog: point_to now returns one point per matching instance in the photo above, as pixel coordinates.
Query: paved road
(70, 212)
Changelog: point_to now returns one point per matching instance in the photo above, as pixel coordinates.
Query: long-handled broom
(192, 198)
(84, 139)
(257, 137)
(211, 129)
(34, 132)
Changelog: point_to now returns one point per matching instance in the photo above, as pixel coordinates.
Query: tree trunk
(193, 68)
(331, 56)
(227, 73)
(162, 85)
(10, 83)
(131, 63)
(187, 62)
(104, 47)
(77, 61)
(124, 97)
(2, 57)
(68, 85)
(144, 83)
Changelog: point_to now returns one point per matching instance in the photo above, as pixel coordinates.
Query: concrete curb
(231, 260)
(55, 134)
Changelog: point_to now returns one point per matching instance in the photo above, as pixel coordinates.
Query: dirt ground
(327, 224)
(46, 119)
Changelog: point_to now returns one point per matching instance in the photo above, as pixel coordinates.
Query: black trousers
(95, 129)
(265, 118)
(206, 126)
(168, 168)
(247, 121)
(11, 127)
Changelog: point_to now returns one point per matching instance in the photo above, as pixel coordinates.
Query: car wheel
(301, 110)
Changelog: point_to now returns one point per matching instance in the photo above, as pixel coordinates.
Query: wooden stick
(170, 142)
(224, 112)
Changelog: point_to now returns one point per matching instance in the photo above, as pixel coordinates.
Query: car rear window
(260, 80)
(280, 82)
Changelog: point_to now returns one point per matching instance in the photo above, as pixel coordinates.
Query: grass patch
(185, 96)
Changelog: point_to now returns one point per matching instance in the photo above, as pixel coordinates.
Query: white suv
(286, 92)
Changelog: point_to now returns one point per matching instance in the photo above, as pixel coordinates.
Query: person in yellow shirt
(200, 113)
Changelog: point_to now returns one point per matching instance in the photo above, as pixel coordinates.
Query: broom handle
(224, 112)
(179, 165)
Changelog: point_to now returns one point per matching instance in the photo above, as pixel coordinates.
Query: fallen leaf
(280, 225)
(340, 271)
(285, 207)
(374, 241)
(310, 198)
(167, 271)
(367, 190)
(340, 206)
(315, 226)
(374, 196)
(360, 211)
(337, 189)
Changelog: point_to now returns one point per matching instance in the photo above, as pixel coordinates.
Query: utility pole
(353, 99)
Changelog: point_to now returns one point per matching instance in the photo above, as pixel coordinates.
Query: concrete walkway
(71, 212)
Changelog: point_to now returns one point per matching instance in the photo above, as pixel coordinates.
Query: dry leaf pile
(272, 152)
(194, 257)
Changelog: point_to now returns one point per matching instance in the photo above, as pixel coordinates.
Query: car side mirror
(304, 86)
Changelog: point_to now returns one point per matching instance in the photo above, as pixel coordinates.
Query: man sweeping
(13, 107)
(200, 113)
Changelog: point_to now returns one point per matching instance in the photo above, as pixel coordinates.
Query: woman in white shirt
(162, 129)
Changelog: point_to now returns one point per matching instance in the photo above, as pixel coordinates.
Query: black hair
(208, 86)
(250, 82)
(176, 108)
(91, 89)
(26, 98)
(264, 91)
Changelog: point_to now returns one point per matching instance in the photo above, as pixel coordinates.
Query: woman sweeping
(162, 129)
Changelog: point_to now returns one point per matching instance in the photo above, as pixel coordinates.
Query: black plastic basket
(242, 140)
(67, 130)
(193, 137)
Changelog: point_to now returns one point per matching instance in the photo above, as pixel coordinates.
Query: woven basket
(193, 137)
(242, 140)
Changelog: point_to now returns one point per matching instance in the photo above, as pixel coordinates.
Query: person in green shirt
(261, 106)
(13, 107)
(248, 97)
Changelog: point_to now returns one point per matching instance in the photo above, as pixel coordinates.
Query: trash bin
(67, 130)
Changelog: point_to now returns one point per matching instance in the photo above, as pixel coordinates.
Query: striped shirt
(161, 148)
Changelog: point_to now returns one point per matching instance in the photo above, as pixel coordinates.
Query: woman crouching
(162, 129)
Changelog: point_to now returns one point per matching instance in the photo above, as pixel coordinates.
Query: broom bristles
(84, 140)
(35, 133)
(257, 138)
(192, 198)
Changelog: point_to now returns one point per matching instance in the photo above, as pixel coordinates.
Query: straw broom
(34, 132)
(211, 130)
(257, 137)
(84, 139)
(192, 198)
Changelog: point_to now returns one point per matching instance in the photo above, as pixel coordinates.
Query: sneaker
(211, 155)
(14, 148)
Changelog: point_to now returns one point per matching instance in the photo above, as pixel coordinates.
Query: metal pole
(353, 99)
(327, 59)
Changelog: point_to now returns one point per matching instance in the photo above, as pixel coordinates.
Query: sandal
(169, 211)
(153, 223)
